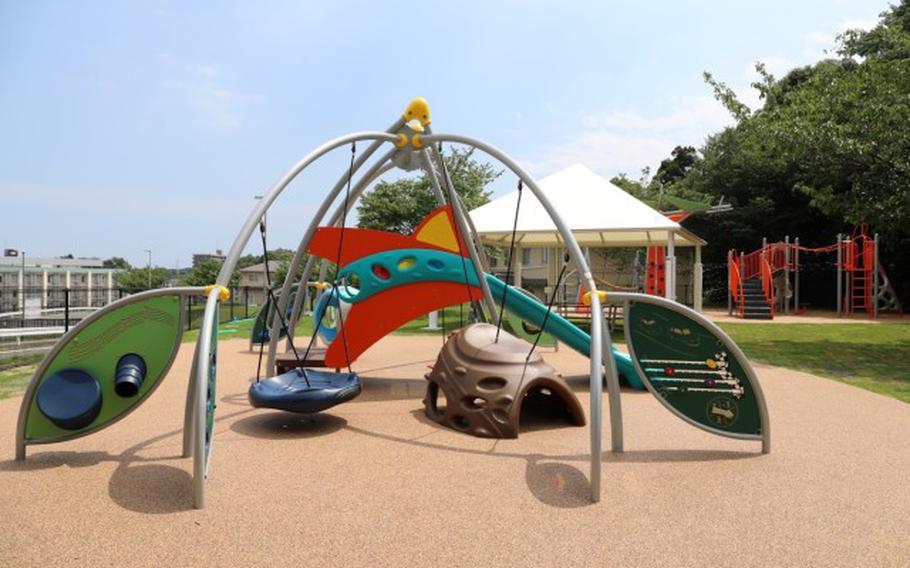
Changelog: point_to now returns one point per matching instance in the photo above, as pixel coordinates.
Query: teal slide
(533, 312)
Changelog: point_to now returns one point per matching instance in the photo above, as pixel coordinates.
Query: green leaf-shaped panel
(694, 370)
(149, 327)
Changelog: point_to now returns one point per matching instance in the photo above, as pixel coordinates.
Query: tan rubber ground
(375, 483)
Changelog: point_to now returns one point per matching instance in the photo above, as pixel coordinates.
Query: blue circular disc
(71, 399)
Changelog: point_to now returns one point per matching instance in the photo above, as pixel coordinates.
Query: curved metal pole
(427, 166)
(459, 213)
(302, 288)
(230, 262)
(301, 250)
(441, 198)
(598, 348)
(204, 367)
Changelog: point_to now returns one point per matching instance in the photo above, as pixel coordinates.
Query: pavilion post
(729, 287)
(796, 275)
(840, 274)
(697, 280)
(786, 274)
(670, 267)
(875, 277)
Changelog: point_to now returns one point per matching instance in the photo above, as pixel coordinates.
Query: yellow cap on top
(417, 115)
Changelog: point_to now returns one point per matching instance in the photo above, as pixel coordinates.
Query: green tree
(116, 262)
(282, 271)
(400, 205)
(206, 273)
(138, 278)
(677, 165)
(248, 260)
(830, 147)
(889, 40)
(630, 186)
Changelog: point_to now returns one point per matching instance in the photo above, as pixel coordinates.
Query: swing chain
(505, 288)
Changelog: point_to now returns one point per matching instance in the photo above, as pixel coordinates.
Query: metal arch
(464, 228)
(628, 297)
(282, 304)
(64, 341)
(600, 342)
(311, 229)
(201, 370)
(230, 262)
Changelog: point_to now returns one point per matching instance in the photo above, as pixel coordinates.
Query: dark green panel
(149, 328)
(692, 370)
(260, 331)
(210, 390)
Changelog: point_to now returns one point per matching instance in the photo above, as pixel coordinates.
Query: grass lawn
(15, 373)
(873, 357)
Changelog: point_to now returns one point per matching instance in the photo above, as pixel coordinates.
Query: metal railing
(36, 308)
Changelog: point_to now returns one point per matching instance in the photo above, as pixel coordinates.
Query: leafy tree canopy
(206, 273)
(116, 262)
(677, 165)
(138, 278)
(829, 148)
(400, 205)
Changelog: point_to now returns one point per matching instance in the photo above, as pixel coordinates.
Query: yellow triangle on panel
(437, 231)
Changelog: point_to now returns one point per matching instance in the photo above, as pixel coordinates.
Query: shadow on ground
(288, 426)
(557, 484)
(151, 488)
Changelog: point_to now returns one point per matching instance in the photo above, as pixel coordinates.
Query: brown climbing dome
(478, 379)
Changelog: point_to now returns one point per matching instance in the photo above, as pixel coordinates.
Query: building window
(526, 256)
(544, 255)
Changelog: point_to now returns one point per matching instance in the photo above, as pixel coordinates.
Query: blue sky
(151, 125)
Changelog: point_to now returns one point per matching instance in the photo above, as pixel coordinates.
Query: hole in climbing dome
(473, 403)
(541, 409)
(491, 383)
(435, 264)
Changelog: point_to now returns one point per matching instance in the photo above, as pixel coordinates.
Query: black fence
(37, 307)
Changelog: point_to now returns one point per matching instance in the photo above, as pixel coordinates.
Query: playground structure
(759, 283)
(110, 363)
(481, 379)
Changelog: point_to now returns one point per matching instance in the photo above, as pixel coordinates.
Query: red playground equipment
(759, 285)
(656, 284)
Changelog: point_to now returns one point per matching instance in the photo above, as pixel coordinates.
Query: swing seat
(290, 392)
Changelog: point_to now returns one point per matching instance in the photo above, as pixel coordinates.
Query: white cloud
(627, 141)
(199, 88)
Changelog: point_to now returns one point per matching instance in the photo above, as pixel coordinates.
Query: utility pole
(149, 268)
(22, 254)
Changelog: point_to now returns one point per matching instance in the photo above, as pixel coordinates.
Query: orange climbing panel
(656, 281)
